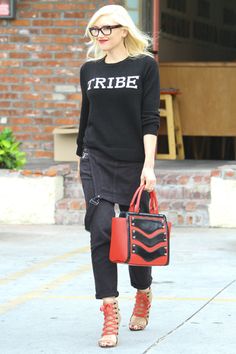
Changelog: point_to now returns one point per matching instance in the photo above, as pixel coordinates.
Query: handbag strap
(136, 196)
(135, 202)
(153, 205)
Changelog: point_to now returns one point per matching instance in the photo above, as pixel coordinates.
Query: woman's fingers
(148, 178)
(149, 186)
(142, 180)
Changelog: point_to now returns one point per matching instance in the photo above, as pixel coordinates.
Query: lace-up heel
(140, 316)
(110, 331)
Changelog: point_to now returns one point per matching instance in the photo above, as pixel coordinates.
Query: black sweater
(120, 104)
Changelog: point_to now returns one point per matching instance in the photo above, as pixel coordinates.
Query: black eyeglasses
(106, 30)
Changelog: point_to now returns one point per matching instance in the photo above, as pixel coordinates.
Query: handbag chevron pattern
(140, 239)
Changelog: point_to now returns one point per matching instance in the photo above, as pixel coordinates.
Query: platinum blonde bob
(136, 42)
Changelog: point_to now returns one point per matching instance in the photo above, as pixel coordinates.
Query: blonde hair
(136, 42)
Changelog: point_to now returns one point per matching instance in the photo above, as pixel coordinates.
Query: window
(229, 17)
(133, 7)
(178, 5)
(176, 26)
(147, 16)
(203, 8)
(141, 13)
(227, 38)
(205, 32)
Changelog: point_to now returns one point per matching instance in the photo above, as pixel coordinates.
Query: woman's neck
(116, 56)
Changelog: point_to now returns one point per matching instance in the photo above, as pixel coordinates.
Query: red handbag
(140, 239)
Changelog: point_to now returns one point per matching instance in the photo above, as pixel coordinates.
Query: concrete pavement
(47, 300)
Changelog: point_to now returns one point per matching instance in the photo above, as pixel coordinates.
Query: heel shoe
(109, 336)
(140, 315)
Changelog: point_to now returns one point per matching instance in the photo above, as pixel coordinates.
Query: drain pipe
(156, 27)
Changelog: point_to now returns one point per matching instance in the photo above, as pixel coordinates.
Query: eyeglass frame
(100, 29)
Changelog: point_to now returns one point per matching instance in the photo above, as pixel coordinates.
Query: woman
(117, 143)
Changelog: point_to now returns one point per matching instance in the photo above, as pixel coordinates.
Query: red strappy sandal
(111, 325)
(140, 315)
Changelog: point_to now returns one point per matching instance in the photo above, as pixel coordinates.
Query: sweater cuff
(150, 129)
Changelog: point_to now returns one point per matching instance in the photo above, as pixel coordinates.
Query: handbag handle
(135, 202)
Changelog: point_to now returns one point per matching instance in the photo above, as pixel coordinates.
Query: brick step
(183, 177)
(183, 196)
(70, 211)
(186, 204)
(72, 186)
(179, 212)
(163, 191)
(71, 204)
(174, 184)
(176, 192)
(186, 212)
(198, 191)
(164, 205)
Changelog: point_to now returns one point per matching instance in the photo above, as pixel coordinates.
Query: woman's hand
(148, 175)
(148, 178)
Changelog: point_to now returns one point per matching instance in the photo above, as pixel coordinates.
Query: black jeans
(105, 272)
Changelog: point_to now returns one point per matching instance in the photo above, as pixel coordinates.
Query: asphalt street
(47, 302)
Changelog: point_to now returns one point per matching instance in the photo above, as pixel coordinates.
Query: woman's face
(108, 42)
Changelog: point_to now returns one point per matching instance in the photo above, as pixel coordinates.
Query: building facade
(41, 52)
(43, 48)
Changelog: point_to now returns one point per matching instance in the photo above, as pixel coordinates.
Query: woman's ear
(124, 32)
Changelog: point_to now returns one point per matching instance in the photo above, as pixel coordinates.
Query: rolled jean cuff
(141, 287)
(106, 294)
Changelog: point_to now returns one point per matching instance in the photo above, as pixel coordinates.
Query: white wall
(29, 200)
(222, 210)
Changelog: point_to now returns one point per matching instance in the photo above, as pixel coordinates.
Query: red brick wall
(41, 52)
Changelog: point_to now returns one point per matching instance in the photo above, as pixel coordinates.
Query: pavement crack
(187, 319)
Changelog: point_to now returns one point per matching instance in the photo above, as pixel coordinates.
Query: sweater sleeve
(84, 111)
(151, 99)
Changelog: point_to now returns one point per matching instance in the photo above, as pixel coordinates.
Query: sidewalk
(47, 294)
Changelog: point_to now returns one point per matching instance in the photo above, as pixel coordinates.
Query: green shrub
(10, 155)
